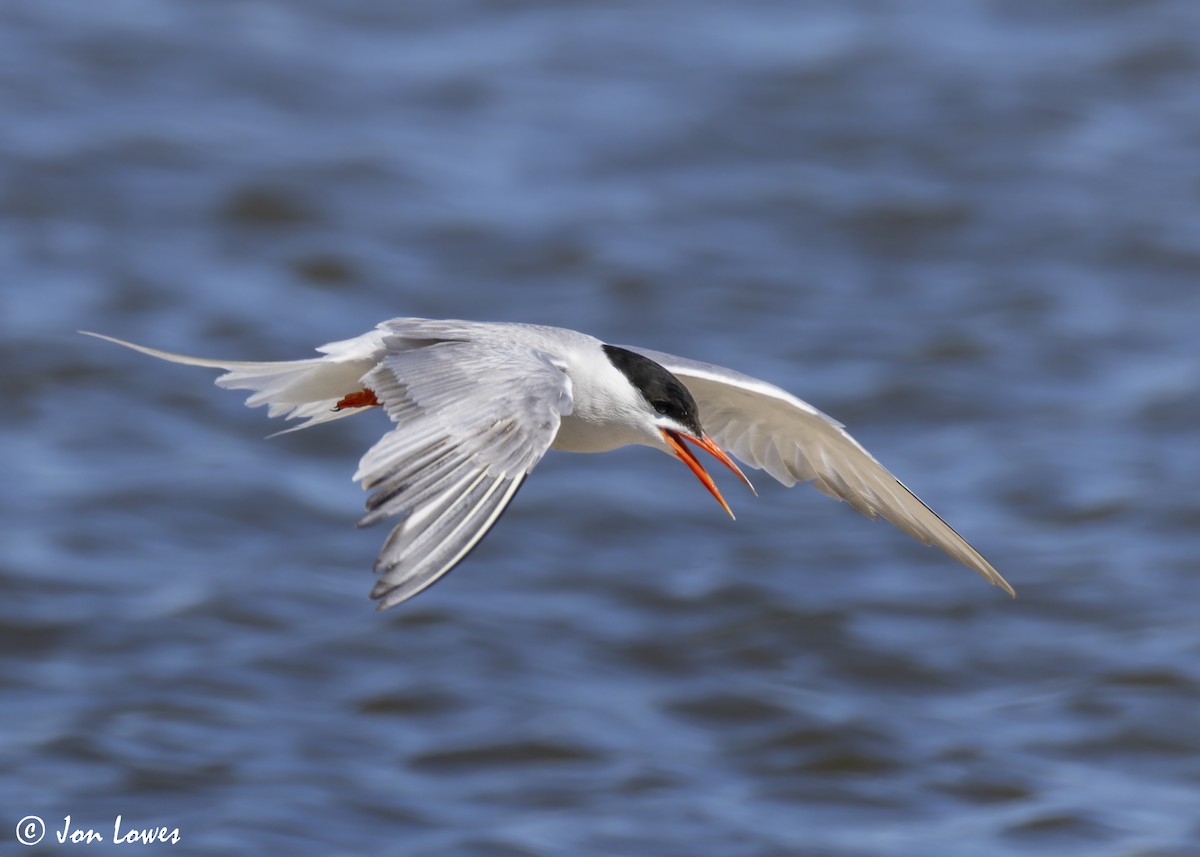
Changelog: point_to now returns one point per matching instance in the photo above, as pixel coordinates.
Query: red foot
(362, 399)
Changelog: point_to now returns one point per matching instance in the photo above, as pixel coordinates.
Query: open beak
(675, 440)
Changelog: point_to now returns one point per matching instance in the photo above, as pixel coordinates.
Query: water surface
(969, 230)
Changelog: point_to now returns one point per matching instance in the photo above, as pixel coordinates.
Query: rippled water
(967, 229)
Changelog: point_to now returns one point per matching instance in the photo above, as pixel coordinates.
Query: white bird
(477, 404)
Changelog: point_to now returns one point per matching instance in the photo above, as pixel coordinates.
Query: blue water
(970, 230)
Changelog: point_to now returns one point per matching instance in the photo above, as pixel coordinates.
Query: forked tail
(316, 390)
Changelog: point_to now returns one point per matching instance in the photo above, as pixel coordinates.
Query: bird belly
(579, 434)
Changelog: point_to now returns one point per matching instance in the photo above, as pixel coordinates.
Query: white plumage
(476, 405)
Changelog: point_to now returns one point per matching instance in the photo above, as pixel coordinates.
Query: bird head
(672, 415)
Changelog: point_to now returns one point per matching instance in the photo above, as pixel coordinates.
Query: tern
(475, 406)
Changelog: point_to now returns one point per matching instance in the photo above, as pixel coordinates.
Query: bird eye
(662, 406)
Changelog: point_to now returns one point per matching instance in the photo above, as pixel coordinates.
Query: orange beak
(675, 440)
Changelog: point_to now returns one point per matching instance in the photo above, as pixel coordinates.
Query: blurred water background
(967, 228)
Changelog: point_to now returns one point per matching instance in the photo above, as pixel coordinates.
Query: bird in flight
(477, 404)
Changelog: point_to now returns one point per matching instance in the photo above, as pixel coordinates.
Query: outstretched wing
(770, 429)
(472, 419)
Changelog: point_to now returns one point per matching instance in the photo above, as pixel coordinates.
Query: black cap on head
(664, 392)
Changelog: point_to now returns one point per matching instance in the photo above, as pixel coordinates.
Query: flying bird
(477, 404)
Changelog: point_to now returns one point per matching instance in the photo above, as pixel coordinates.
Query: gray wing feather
(472, 419)
(770, 429)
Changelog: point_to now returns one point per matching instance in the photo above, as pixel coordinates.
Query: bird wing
(473, 417)
(770, 429)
